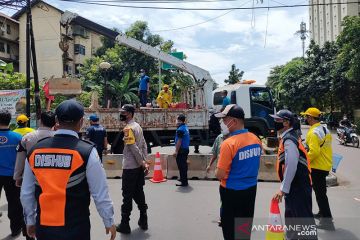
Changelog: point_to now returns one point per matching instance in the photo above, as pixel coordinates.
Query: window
(8, 29)
(77, 66)
(233, 97)
(79, 49)
(68, 69)
(261, 96)
(218, 99)
(8, 49)
(2, 47)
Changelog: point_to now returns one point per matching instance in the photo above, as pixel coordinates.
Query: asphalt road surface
(192, 213)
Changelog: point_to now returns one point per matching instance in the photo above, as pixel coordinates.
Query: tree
(235, 75)
(124, 90)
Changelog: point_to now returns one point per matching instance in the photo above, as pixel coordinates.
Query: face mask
(122, 117)
(224, 128)
(279, 126)
(178, 123)
(142, 74)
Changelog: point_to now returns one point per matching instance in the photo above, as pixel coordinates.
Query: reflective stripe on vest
(53, 169)
(303, 158)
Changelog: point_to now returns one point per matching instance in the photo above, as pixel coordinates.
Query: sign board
(179, 55)
(64, 86)
(13, 100)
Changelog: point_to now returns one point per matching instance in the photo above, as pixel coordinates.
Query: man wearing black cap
(237, 169)
(134, 169)
(294, 174)
(96, 133)
(182, 142)
(60, 175)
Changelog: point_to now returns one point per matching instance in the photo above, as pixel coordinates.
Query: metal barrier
(197, 166)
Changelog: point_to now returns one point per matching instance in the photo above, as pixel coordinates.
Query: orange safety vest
(303, 158)
(61, 189)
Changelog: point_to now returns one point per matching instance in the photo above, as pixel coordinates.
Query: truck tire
(117, 147)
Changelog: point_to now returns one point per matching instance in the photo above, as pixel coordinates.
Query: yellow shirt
(23, 131)
(164, 99)
(320, 149)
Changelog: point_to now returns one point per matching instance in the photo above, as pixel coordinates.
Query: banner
(13, 100)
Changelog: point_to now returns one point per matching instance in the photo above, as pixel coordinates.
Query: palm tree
(124, 91)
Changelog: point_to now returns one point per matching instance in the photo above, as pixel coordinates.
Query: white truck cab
(257, 102)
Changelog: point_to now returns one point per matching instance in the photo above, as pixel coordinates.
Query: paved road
(187, 214)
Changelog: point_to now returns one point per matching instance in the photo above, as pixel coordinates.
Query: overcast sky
(235, 37)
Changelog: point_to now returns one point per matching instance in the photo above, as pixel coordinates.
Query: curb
(331, 180)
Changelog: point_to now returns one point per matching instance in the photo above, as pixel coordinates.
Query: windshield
(218, 99)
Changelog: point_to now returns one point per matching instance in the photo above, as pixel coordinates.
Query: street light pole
(105, 66)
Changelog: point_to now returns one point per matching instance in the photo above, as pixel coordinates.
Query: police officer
(47, 122)
(182, 142)
(22, 121)
(60, 175)
(97, 134)
(293, 169)
(237, 169)
(318, 141)
(8, 143)
(134, 168)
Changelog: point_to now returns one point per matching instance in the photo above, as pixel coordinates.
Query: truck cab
(257, 102)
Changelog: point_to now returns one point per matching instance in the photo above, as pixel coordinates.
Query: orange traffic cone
(158, 174)
(275, 230)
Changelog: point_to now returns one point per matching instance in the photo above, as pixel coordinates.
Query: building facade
(82, 39)
(9, 40)
(325, 18)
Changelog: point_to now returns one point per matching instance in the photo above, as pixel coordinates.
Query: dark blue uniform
(97, 133)
(182, 133)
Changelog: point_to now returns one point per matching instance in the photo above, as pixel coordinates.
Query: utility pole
(28, 12)
(31, 61)
(303, 35)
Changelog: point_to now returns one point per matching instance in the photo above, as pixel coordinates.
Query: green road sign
(166, 66)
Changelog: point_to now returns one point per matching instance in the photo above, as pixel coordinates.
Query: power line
(210, 9)
(197, 24)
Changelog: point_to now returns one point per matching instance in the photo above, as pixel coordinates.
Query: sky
(253, 40)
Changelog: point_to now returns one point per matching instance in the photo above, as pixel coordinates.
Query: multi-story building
(326, 17)
(9, 40)
(83, 39)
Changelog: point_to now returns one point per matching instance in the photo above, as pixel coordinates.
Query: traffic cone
(158, 174)
(275, 229)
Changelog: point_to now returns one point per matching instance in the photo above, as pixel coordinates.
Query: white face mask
(224, 128)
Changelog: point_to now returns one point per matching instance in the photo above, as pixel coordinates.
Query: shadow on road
(135, 234)
(185, 189)
(340, 233)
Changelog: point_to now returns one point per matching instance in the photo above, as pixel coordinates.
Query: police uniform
(183, 134)
(60, 175)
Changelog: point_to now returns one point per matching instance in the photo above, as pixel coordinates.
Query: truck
(159, 125)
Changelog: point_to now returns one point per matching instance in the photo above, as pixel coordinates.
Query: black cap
(231, 110)
(128, 108)
(283, 114)
(69, 111)
(181, 117)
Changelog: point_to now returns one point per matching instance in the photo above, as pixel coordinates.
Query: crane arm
(200, 75)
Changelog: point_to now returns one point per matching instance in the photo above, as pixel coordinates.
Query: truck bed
(150, 119)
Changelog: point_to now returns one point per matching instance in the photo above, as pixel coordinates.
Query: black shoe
(327, 225)
(182, 185)
(143, 221)
(16, 233)
(123, 227)
(317, 215)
